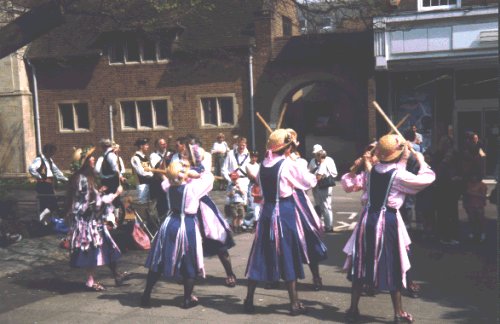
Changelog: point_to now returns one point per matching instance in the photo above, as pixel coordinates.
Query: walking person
(278, 250)
(323, 166)
(91, 245)
(46, 173)
(377, 249)
(177, 249)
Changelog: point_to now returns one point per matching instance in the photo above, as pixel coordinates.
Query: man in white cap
(323, 166)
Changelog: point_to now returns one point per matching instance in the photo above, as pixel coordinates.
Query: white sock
(45, 212)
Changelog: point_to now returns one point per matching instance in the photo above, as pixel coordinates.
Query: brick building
(94, 82)
(193, 77)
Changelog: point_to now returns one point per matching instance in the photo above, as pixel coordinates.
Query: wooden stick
(156, 170)
(401, 122)
(263, 122)
(282, 115)
(388, 121)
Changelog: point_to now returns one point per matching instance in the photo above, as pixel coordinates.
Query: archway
(324, 109)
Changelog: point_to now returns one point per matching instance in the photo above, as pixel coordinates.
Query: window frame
(219, 124)
(140, 42)
(155, 126)
(420, 5)
(76, 124)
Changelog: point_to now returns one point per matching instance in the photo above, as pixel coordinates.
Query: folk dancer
(177, 249)
(46, 173)
(279, 246)
(377, 251)
(215, 231)
(311, 222)
(91, 244)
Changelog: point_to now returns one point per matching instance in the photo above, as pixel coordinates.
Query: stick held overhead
(263, 122)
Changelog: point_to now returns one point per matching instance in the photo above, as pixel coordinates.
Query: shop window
(424, 5)
(218, 111)
(73, 117)
(145, 114)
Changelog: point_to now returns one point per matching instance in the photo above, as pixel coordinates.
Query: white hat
(317, 148)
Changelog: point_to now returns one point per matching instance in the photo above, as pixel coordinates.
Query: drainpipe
(252, 109)
(36, 107)
(111, 134)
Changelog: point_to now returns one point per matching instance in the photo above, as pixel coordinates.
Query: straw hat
(278, 140)
(390, 147)
(80, 156)
(176, 172)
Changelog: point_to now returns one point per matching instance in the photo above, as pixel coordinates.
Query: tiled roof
(221, 27)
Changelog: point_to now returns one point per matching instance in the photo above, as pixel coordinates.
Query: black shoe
(352, 316)
(317, 284)
(298, 309)
(248, 307)
(145, 301)
(190, 303)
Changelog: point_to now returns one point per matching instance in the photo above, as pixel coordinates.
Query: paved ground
(37, 285)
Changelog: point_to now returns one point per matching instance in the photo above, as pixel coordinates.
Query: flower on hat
(80, 155)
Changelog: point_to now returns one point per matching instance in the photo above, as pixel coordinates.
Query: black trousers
(46, 198)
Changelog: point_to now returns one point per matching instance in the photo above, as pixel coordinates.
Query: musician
(160, 159)
(46, 173)
(141, 166)
(108, 168)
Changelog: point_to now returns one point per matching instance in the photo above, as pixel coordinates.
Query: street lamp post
(250, 77)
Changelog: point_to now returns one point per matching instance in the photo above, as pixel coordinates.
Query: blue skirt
(96, 256)
(316, 249)
(265, 262)
(164, 255)
(214, 247)
(389, 265)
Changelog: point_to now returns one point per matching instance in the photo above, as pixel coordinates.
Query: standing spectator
(46, 173)
(236, 161)
(254, 192)
(448, 188)
(323, 166)
(474, 201)
(141, 166)
(237, 196)
(180, 147)
(473, 156)
(219, 152)
(418, 136)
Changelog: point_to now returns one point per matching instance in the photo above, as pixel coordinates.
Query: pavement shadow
(132, 299)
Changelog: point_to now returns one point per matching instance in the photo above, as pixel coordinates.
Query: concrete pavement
(37, 285)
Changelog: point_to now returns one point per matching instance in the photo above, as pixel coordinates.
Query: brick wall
(104, 84)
